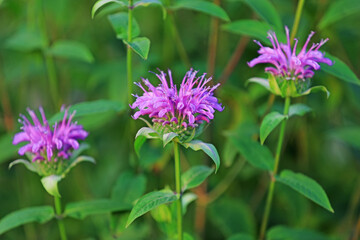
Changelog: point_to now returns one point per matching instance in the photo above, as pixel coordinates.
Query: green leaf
(241, 236)
(186, 199)
(270, 122)
(261, 81)
(147, 132)
(299, 109)
(208, 148)
(316, 89)
(340, 70)
(168, 137)
(195, 176)
(161, 214)
(25, 40)
(119, 23)
(50, 184)
(257, 155)
(349, 135)
(99, 4)
(26, 163)
(306, 186)
(202, 6)
(27, 215)
(232, 216)
(149, 202)
(146, 3)
(339, 10)
(286, 233)
(90, 108)
(76, 161)
(266, 11)
(71, 50)
(128, 187)
(80, 210)
(138, 143)
(140, 45)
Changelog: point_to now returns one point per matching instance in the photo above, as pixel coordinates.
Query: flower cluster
(288, 64)
(189, 106)
(46, 143)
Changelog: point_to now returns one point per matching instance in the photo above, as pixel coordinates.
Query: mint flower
(287, 62)
(187, 106)
(47, 143)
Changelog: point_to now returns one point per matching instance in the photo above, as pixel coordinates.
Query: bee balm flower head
(289, 64)
(178, 108)
(47, 143)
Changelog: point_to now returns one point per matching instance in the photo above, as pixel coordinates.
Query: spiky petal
(286, 62)
(191, 105)
(48, 143)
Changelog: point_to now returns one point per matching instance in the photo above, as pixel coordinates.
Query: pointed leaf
(147, 132)
(257, 155)
(140, 45)
(186, 199)
(299, 109)
(76, 161)
(286, 233)
(316, 89)
(261, 81)
(26, 163)
(208, 148)
(99, 4)
(27, 215)
(306, 186)
(161, 214)
(274, 86)
(266, 11)
(119, 23)
(340, 70)
(168, 137)
(50, 184)
(138, 143)
(128, 187)
(25, 40)
(80, 210)
(72, 50)
(149, 202)
(202, 6)
(270, 122)
(195, 176)
(338, 10)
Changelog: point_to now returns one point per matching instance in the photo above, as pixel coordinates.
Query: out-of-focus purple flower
(49, 143)
(287, 63)
(189, 106)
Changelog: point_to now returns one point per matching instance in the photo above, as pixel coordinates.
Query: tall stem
(59, 220)
(129, 53)
(274, 172)
(178, 190)
(295, 27)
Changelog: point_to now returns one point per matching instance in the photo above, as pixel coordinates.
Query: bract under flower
(189, 106)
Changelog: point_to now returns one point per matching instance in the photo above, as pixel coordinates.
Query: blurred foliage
(40, 40)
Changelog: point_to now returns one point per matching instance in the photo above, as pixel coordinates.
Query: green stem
(295, 26)
(59, 220)
(129, 53)
(178, 190)
(274, 172)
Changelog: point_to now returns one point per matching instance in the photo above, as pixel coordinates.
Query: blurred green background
(324, 145)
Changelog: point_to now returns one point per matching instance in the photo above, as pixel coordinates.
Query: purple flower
(49, 143)
(287, 63)
(191, 105)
